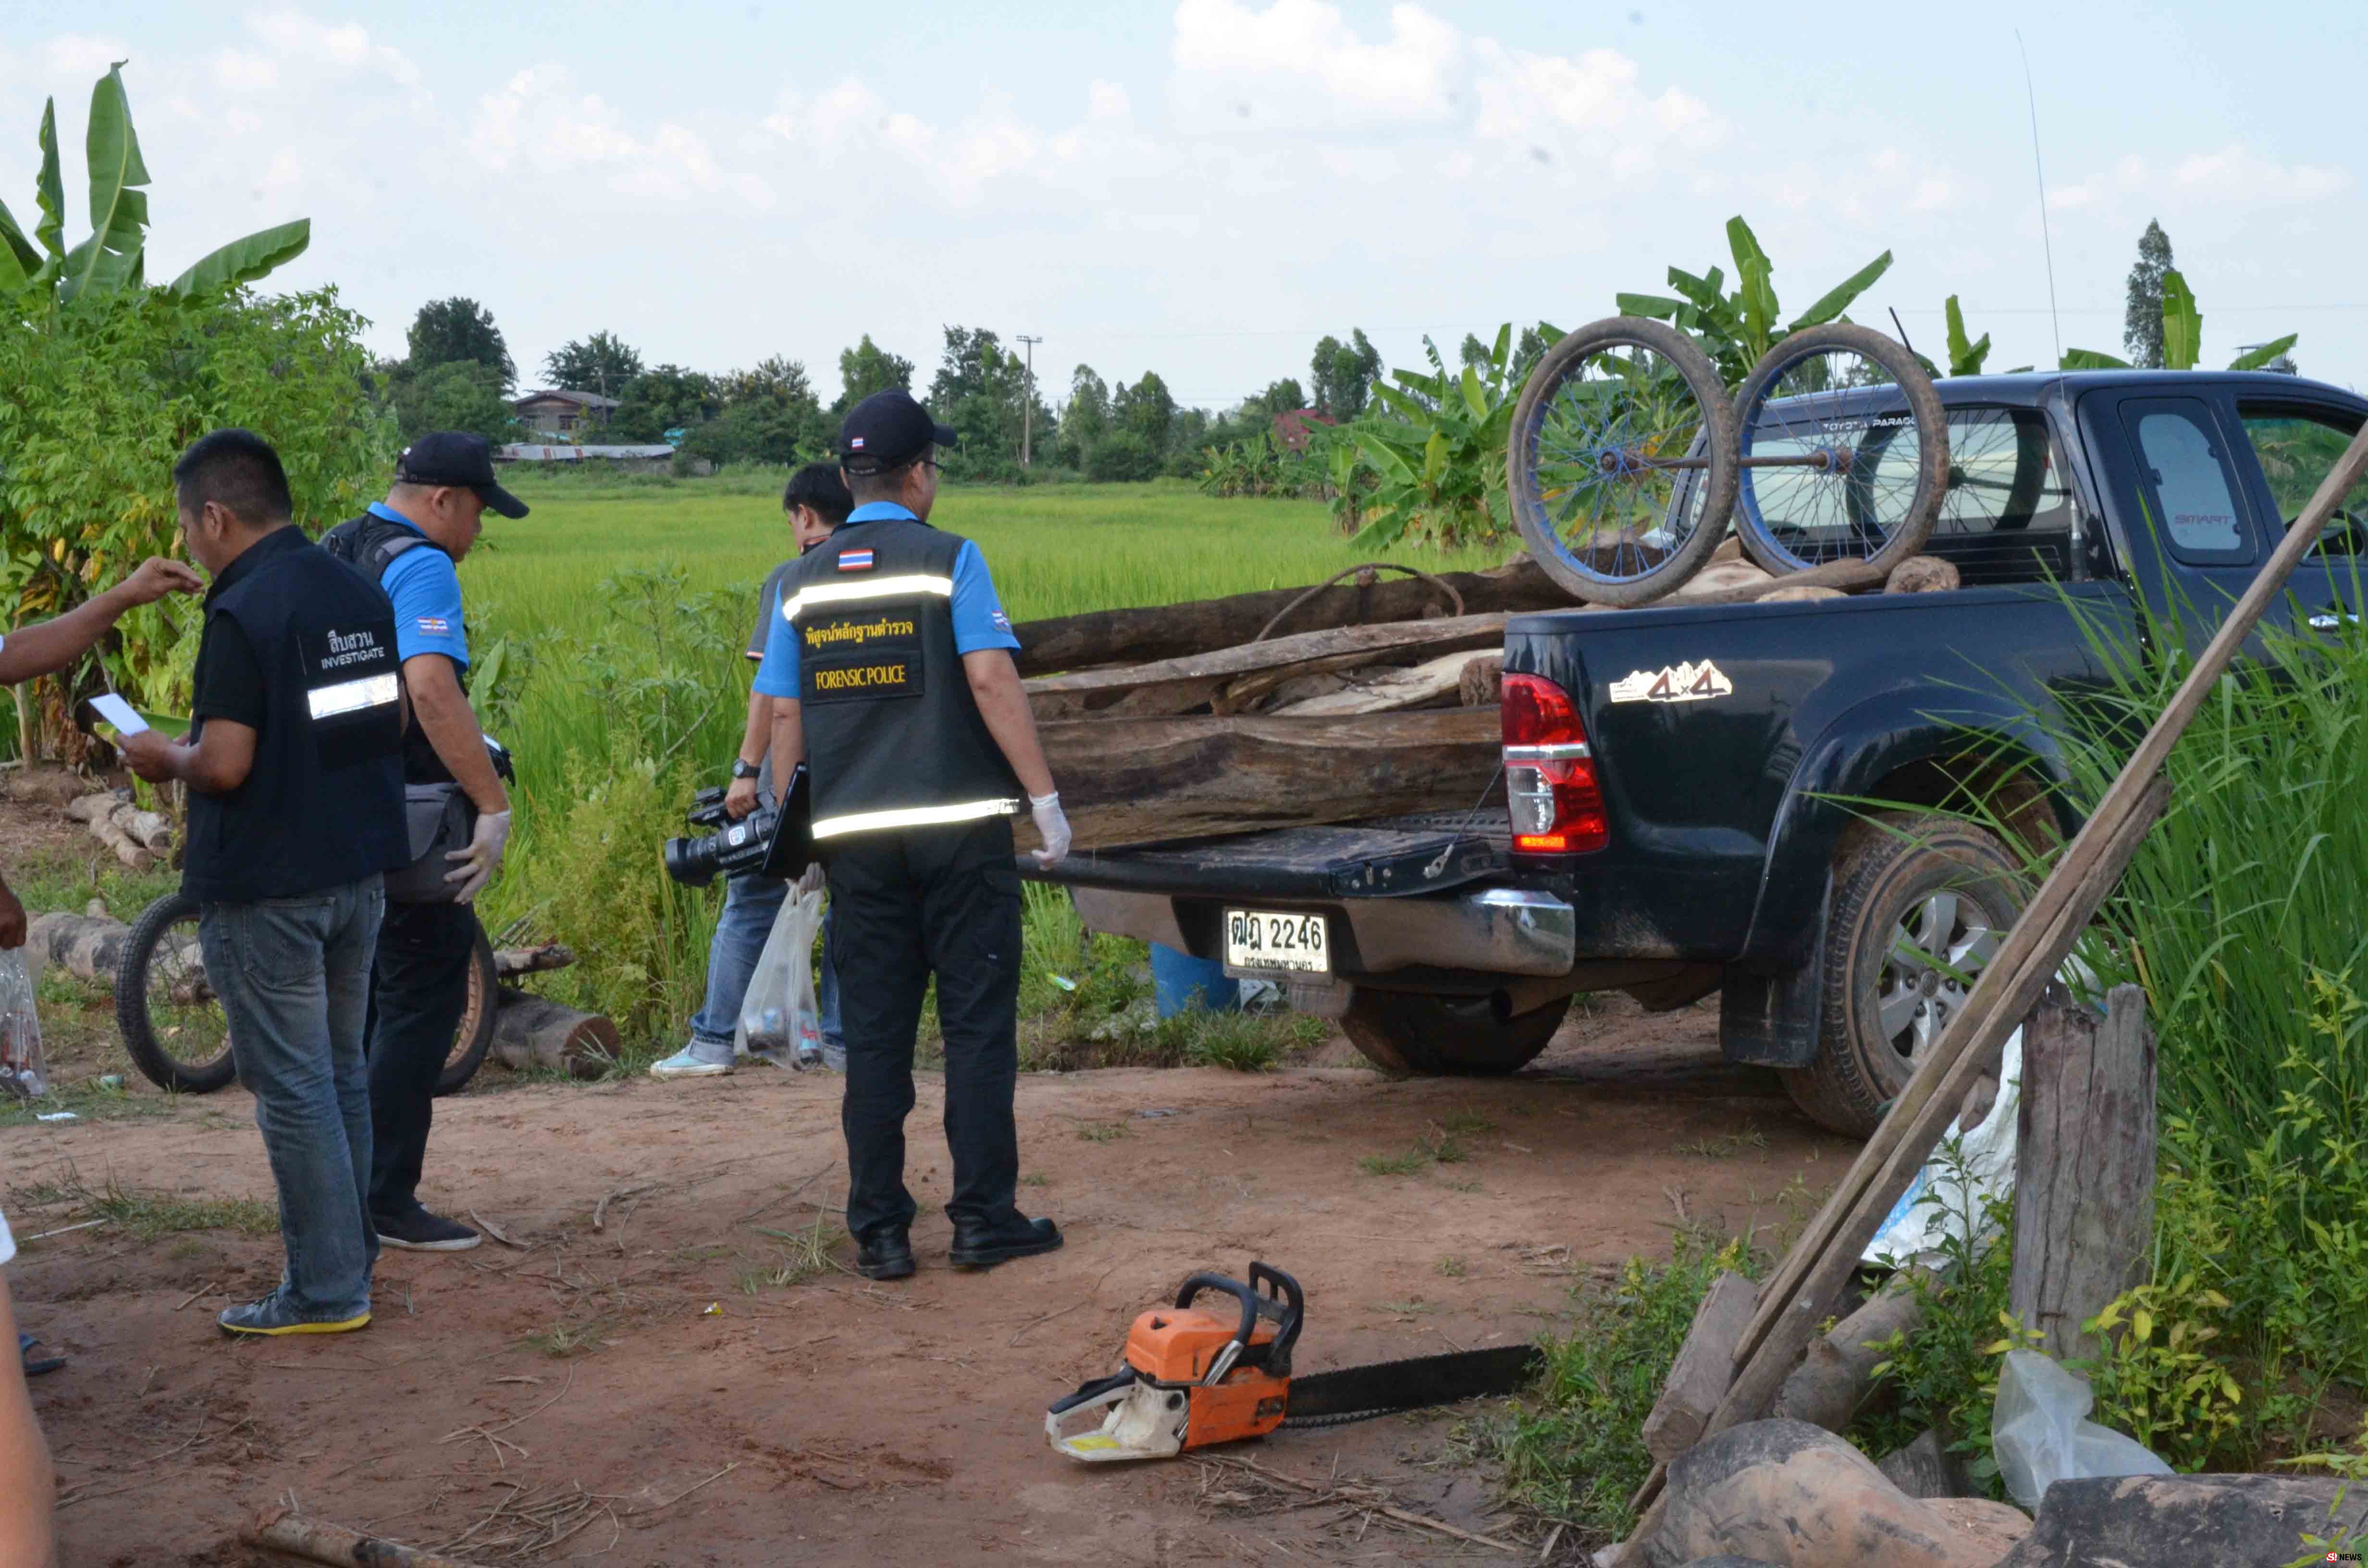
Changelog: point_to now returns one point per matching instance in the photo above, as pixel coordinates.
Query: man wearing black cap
(890, 667)
(419, 984)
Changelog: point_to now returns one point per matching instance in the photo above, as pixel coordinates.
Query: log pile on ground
(1295, 707)
(138, 838)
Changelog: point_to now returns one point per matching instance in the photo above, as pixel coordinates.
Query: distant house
(651, 458)
(564, 412)
(1291, 430)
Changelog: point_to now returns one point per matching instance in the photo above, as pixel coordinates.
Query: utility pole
(1028, 400)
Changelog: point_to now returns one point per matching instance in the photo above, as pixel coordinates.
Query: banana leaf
(1838, 300)
(109, 258)
(19, 259)
(1652, 307)
(2182, 323)
(50, 190)
(2091, 359)
(1965, 358)
(1475, 396)
(1755, 283)
(2256, 358)
(245, 260)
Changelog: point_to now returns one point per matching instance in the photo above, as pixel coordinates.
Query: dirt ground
(635, 1344)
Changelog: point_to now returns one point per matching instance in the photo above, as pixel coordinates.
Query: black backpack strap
(370, 544)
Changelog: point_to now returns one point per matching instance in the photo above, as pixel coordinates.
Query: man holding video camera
(889, 665)
(815, 503)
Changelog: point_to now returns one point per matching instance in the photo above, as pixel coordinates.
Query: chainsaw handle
(1226, 1286)
(1287, 1305)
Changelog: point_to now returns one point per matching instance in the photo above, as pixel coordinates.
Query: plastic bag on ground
(23, 1072)
(779, 1020)
(1914, 1228)
(2040, 1435)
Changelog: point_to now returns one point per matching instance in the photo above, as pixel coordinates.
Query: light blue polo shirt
(979, 620)
(426, 594)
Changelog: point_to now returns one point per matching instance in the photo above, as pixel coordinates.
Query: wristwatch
(743, 768)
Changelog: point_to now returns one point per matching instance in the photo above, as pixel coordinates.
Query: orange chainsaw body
(1174, 1346)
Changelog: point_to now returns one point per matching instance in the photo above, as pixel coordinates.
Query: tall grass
(610, 626)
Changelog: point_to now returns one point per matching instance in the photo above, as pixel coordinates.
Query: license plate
(1272, 941)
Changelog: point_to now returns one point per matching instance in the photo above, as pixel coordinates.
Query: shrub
(1123, 455)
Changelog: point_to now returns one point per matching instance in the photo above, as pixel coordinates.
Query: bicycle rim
(1854, 479)
(185, 1017)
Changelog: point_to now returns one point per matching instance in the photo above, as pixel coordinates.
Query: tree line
(458, 374)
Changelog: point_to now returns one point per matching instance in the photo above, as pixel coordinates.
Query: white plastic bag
(1915, 1228)
(779, 1018)
(23, 1072)
(2040, 1436)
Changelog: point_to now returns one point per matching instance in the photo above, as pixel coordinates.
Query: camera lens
(692, 861)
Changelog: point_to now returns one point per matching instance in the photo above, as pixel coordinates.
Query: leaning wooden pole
(1798, 1295)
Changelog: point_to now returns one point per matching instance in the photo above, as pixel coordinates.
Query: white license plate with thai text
(1269, 940)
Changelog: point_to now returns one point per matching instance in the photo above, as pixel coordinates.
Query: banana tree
(114, 257)
(1435, 445)
(1735, 330)
(2182, 338)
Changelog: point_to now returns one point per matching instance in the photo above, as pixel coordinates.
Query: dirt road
(635, 1346)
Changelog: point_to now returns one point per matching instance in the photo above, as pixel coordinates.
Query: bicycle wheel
(1622, 464)
(1827, 476)
(475, 1035)
(172, 1023)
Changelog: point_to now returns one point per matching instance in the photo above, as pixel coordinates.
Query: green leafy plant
(1965, 358)
(2182, 338)
(2154, 1377)
(1735, 329)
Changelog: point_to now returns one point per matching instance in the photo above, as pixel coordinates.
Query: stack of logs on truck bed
(1364, 699)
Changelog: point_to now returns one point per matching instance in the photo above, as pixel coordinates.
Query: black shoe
(421, 1231)
(983, 1246)
(889, 1257)
(35, 1366)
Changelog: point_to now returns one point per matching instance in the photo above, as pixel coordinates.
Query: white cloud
(539, 125)
(1301, 58)
(1589, 109)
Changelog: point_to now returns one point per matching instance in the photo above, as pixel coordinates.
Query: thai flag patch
(434, 625)
(855, 560)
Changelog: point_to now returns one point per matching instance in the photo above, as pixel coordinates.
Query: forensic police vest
(323, 804)
(893, 738)
(369, 543)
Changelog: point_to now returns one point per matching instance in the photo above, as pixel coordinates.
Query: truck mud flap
(1772, 1017)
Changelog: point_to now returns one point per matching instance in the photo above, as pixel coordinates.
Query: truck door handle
(2328, 621)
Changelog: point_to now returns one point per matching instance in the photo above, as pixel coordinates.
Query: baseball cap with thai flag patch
(887, 431)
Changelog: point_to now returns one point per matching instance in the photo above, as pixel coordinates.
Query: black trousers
(905, 905)
(419, 986)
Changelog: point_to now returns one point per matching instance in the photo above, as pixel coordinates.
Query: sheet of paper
(118, 712)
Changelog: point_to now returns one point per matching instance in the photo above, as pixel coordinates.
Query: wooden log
(1143, 781)
(96, 812)
(1172, 631)
(2084, 1165)
(2036, 947)
(1394, 691)
(1238, 674)
(1482, 683)
(511, 962)
(317, 1540)
(1837, 1373)
(79, 944)
(147, 829)
(534, 1032)
(1705, 1365)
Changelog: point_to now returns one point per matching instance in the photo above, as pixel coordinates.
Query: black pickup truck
(1679, 814)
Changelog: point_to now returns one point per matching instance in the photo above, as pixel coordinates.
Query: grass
(1103, 1131)
(804, 1255)
(1724, 1147)
(609, 628)
(142, 1213)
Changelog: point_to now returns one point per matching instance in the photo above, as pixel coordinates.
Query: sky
(1203, 188)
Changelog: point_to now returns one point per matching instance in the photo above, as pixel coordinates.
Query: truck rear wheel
(1412, 1032)
(1921, 903)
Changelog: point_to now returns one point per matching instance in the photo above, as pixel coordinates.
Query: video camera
(771, 841)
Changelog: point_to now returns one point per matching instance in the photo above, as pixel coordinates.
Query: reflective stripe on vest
(874, 588)
(914, 816)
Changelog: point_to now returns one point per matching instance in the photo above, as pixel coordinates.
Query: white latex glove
(478, 862)
(809, 881)
(1051, 825)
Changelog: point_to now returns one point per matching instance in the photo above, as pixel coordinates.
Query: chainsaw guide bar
(1194, 1377)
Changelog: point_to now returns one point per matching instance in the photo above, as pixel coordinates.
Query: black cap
(887, 430)
(458, 458)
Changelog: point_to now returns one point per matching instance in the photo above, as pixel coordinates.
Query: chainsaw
(1195, 1377)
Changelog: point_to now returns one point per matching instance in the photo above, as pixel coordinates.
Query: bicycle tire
(1710, 489)
(138, 1026)
(475, 1035)
(1754, 405)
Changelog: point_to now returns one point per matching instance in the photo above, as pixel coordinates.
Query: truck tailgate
(1384, 859)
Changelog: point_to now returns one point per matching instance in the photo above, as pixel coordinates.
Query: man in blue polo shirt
(411, 544)
(890, 673)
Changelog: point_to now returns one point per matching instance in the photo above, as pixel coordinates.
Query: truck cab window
(2190, 485)
(2297, 448)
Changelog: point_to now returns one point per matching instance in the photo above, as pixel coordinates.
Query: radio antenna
(2048, 245)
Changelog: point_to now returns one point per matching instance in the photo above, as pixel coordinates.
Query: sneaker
(421, 1231)
(273, 1316)
(695, 1060)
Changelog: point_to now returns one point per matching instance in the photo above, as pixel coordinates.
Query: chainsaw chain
(1306, 1423)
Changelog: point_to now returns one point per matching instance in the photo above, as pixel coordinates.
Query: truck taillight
(1549, 771)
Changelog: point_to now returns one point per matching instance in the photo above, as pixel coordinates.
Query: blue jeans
(751, 904)
(293, 976)
(1180, 982)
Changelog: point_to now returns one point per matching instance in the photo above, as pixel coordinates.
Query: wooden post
(2084, 1164)
(1705, 1365)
